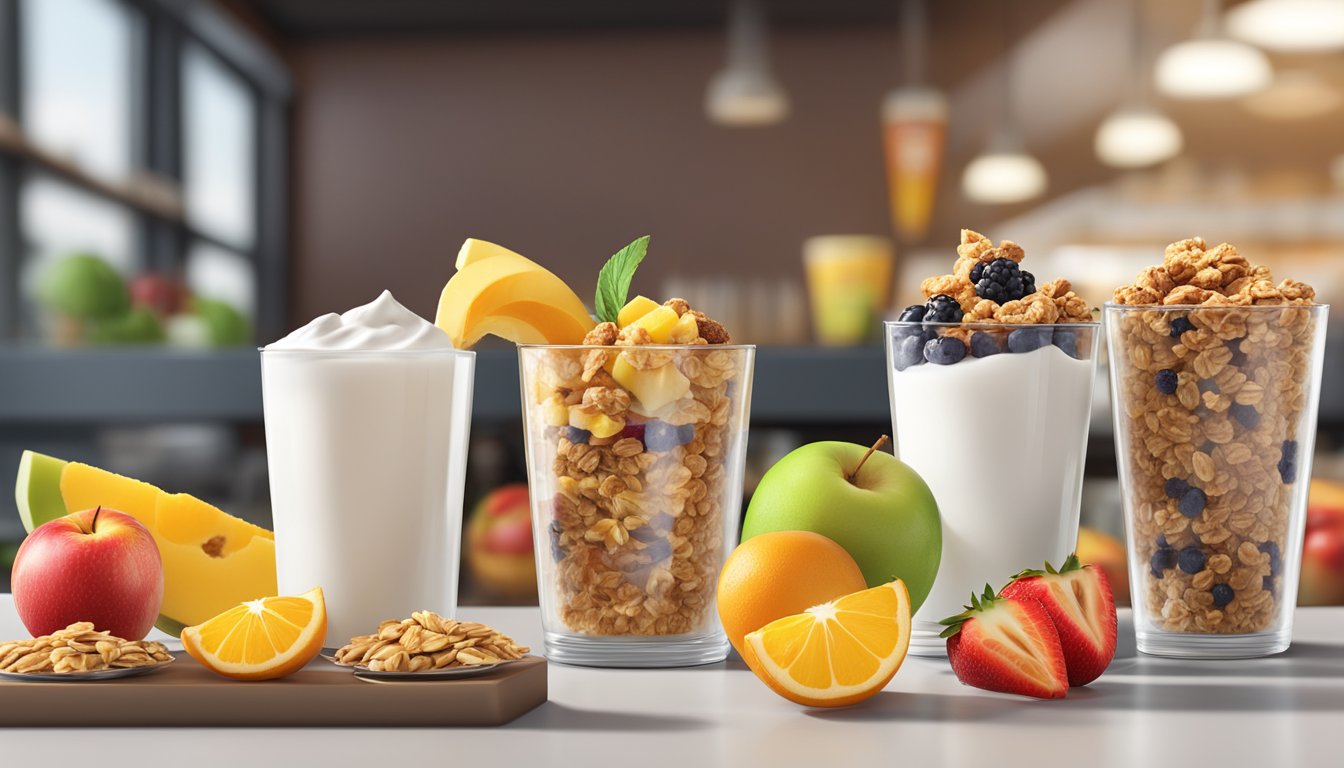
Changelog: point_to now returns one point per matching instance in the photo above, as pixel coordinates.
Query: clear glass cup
(367, 453)
(636, 494)
(1215, 424)
(994, 417)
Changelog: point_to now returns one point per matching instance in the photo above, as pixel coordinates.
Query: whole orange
(778, 574)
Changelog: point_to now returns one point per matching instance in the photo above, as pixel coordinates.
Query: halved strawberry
(1008, 645)
(1079, 600)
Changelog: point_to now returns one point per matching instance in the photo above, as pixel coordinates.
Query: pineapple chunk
(686, 330)
(596, 422)
(659, 323)
(653, 388)
(555, 412)
(635, 309)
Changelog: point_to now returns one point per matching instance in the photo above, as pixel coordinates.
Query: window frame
(162, 29)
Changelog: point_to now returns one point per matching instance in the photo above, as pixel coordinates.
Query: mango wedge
(211, 560)
(500, 292)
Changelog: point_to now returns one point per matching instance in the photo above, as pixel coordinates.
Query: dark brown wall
(567, 148)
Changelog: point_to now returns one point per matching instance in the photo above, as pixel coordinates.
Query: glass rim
(628, 347)
(987, 325)
(434, 352)
(1111, 305)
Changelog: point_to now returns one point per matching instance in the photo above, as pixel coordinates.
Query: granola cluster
(1214, 399)
(1052, 302)
(640, 489)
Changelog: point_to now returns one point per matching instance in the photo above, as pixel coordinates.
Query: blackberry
(1222, 595)
(632, 430)
(1245, 414)
(945, 350)
(1191, 559)
(1000, 281)
(942, 309)
(1165, 381)
(985, 343)
(1275, 557)
(1192, 502)
(1176, 487)
(912, 314)
(1163, 559)
(1181, 325)
(1028, 339)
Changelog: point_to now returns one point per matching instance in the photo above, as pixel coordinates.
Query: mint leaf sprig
(613, 282)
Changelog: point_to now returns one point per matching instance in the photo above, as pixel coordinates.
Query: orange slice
(836, 653)
(261, 639)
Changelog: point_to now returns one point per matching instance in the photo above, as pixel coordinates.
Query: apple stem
(881, 441)
(93, 524)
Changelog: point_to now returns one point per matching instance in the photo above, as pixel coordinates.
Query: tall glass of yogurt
(367, 419)
(999, 433)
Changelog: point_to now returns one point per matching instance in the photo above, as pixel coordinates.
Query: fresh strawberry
(1008, 645)
(1079, 600)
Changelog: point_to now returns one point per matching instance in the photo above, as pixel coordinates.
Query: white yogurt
(367, 417)
(1001, 442)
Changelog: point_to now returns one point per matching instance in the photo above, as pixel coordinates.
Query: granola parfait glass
(635, 460)
(1215, 392)
(991, 389)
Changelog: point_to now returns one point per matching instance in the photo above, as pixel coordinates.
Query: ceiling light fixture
(1211, 66)
(1291, 26)
(745, 92)
(1137, 134)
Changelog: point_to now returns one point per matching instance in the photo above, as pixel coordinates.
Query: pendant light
(914, 131)
(1137, 134)
(1290, 26)
(1004, 173)
(1211, 66)
(745, 92)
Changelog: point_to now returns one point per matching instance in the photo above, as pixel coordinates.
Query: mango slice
(635, 309)
(496, 291)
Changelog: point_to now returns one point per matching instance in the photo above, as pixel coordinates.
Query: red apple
(161, 293)
(1323, 559)
(499, 544)
(98, 565)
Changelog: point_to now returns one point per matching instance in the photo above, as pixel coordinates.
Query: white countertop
(1145, 712)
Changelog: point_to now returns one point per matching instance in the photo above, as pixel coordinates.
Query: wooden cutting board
(321, 694)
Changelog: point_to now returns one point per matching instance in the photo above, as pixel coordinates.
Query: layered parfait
(1006, 367)
(1216, 376)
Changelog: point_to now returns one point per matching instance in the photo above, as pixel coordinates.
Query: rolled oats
(1212, 465)
(428, 641)
(79, 648)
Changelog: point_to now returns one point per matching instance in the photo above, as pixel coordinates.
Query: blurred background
(182, 180)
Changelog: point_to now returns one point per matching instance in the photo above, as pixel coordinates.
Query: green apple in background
(883, 514)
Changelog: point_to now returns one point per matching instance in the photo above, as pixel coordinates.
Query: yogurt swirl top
(382, 324)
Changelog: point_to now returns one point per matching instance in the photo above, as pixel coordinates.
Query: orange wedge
(836, 653)
(261, 639)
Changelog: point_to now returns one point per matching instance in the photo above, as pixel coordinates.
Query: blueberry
(1176, 487)
(984, 344)
(942, 309)
(1275, 556)
(1222, 595)
(1208, 385)
(658, 551)
(1067, 340)
(1245, 414)
(1028, 339)
(1162, 541)
(1208, 447)
(1289, 450)
(907, 351)
(1267, 584)
(1163, 559)
(686, 433)
(1165, 381)
(1181, 325)
(944, 350)
(1238, 360)
(558, 552)
(1288, 462)
(1192, 502)
(912, 314)
(660, 436)
(1191, 559)
(577, 436)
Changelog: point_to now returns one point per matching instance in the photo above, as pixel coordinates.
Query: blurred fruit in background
(1108, 553)
(89, 303)
(499, 544)
(1323, 547)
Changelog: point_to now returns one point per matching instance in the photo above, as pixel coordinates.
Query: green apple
(884, 514)
(38, 489)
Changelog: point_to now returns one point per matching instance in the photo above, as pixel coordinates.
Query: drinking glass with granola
(991, 389)
(1215, 380)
